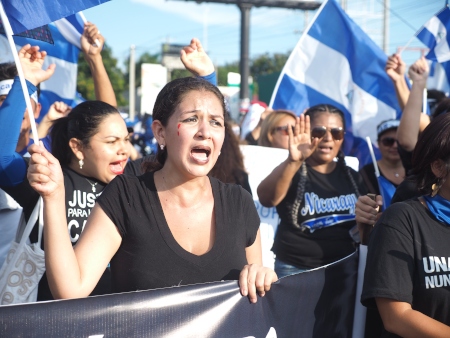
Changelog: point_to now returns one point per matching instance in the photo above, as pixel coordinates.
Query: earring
(435, 187)
(162, 146)
(81, 162)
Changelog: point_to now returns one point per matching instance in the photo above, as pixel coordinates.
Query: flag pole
(372, 154)
(9, 34)
(84, 20)
(424, 101)
(406, 46)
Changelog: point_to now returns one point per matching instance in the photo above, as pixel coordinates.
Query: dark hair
(442, 107)
(312, 112)
(81, 123)
(8, 71)
(434, 98)
(229, 167)
(433, 144)
(167, 101)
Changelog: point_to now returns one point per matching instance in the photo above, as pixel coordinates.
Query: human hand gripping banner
(317, 303)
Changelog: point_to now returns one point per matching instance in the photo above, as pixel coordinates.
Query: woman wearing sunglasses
(274, 129)
(314, 195)
(390, 163)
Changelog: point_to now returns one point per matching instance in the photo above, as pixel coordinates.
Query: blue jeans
(284, 269)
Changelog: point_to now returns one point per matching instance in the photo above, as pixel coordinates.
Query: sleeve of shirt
(114, 201)
(211, 78)
(251, 217)
(13, 168)
(390, 259)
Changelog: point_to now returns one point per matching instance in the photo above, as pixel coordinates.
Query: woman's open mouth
(117, 167)
(200, 154)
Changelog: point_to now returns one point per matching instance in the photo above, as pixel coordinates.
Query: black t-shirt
(81, 194)
(328, 203)
(134, 168)
(149, 256)
(409, 260)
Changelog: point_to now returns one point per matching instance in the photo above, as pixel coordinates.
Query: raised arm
(196, 60)
(71, 272)
(12, 165)
(92, 53)
(395, 69)
(57, 110)
(408, 130)
(274, 187)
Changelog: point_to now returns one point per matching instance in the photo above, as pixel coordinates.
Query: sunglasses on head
(319, 132)
(388, 141)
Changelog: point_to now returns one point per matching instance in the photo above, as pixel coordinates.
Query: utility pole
(245, 6)
(244, 67)
(132, 85)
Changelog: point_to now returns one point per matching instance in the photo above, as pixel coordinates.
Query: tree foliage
(266, 64)
(222, 72)
(85, 83)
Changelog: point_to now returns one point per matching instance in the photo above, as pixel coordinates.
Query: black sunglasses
(319, 132)
(388, 141)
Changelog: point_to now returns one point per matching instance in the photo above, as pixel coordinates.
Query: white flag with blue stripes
(336, 63)
(434, 34)
(64, 52)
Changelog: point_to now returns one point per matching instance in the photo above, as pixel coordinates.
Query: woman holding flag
(391, 171)
(407, 269)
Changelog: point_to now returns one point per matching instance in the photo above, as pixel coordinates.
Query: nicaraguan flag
(64, 52)
(434, 34)
(336, 63)
(26, 15)
(387, 191)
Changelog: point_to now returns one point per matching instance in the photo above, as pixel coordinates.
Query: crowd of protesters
(185, 214)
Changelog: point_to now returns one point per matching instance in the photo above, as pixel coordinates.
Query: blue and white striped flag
(434, 34)
(26, 15)
(336, 63)
(64, 52)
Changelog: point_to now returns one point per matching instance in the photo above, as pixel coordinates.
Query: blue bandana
(439, 207)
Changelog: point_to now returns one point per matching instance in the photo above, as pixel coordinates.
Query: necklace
(94, 189)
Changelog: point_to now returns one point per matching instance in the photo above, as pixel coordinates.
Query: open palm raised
(301, 145)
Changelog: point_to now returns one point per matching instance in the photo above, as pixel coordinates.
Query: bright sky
(149, 23)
